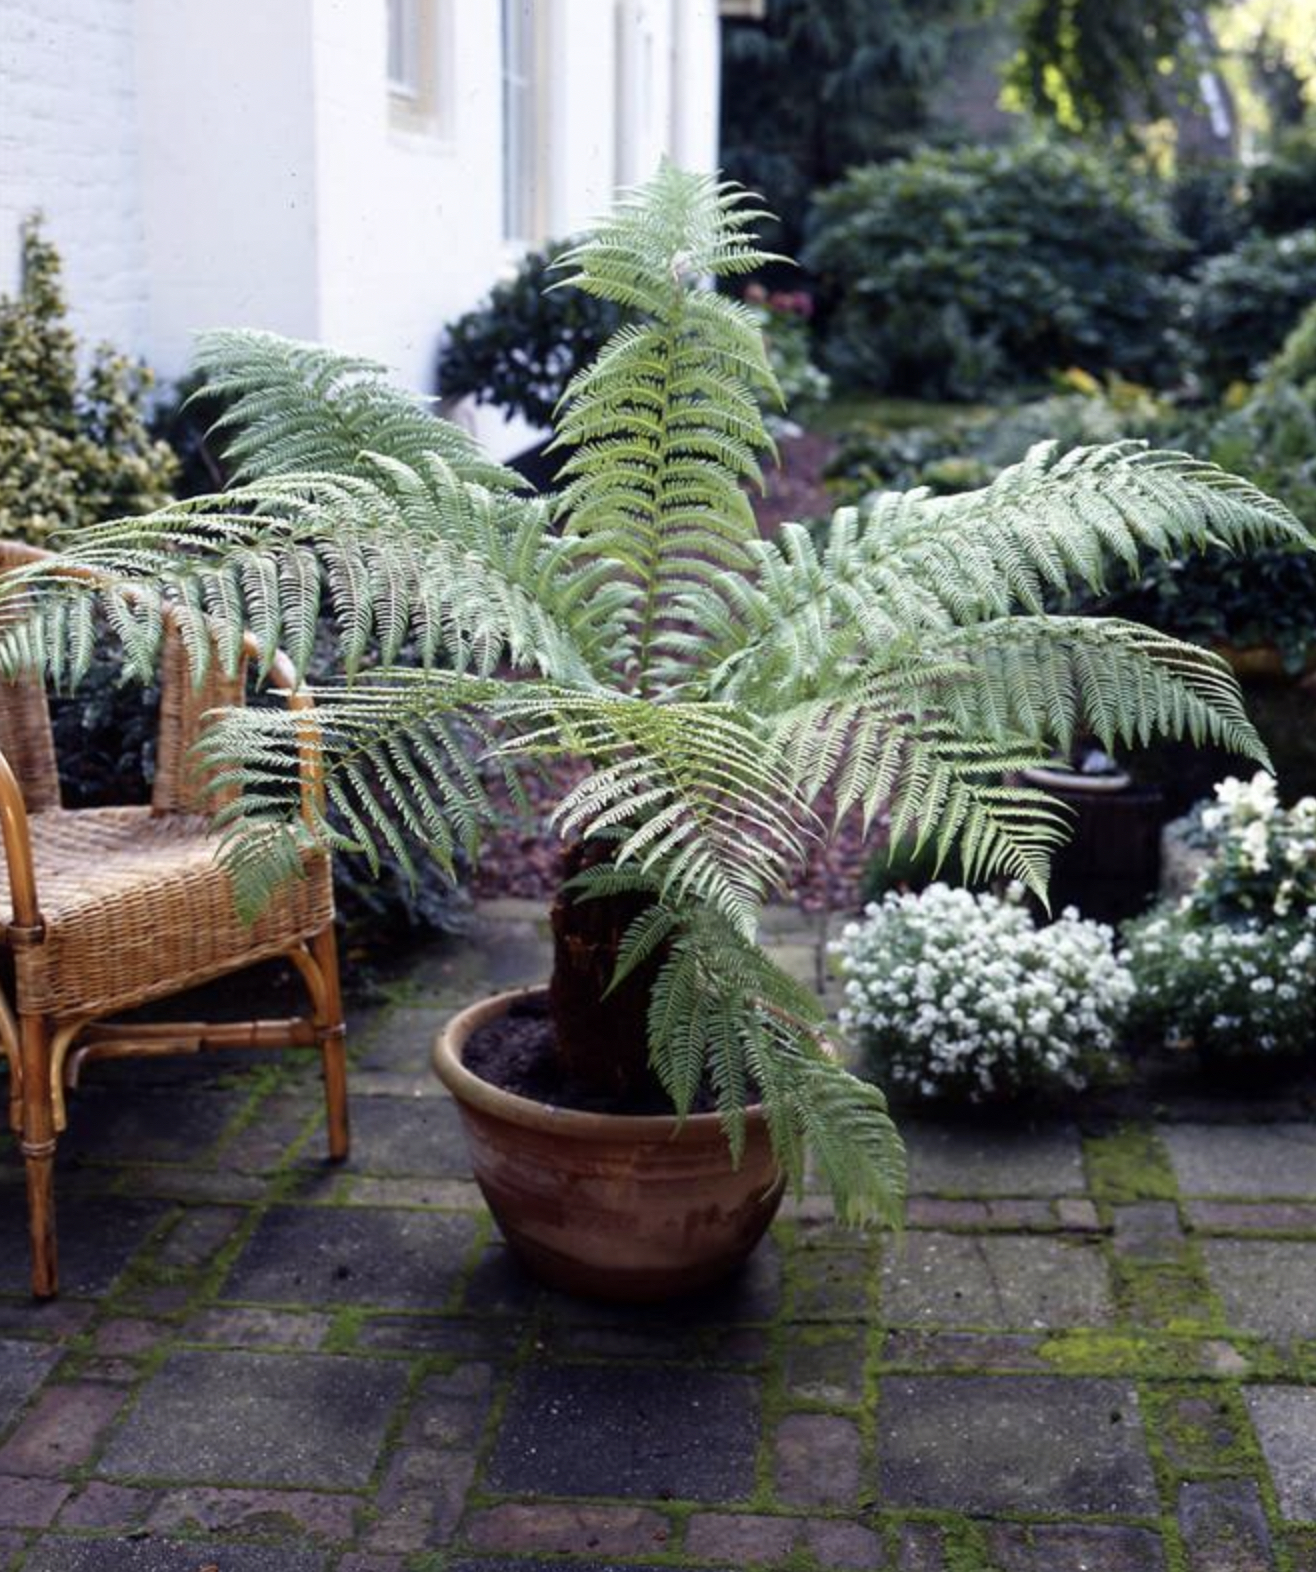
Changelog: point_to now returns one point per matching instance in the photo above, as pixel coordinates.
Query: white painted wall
(229, 192)
(409, 222)
(208, 164)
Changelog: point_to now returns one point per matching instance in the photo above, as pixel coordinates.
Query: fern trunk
(602, 1043)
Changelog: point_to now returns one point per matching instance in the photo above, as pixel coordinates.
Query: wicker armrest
(17, 839)
(283, 675)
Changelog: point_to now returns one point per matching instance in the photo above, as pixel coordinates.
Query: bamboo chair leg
(333, 1043)
(38, 1148)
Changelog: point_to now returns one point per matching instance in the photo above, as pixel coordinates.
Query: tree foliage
(820, 85)
(1092, 65)
(949, 271)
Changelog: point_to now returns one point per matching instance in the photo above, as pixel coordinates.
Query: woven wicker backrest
(180, 787)
(26, 739)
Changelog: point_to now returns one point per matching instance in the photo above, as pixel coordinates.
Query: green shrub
(1240, 306)
(72, 450)
(519, 348)
(1206, 203)
(952, 457)
(949, 271)
(1282, 194)
(1295, 365)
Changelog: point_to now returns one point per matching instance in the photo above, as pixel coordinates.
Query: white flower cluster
(1263, 862)
(962, 995)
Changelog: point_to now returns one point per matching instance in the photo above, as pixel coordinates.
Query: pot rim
(469, 1088)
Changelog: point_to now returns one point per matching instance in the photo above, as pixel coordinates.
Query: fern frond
(911, 566)
(721, 1006)
(665, 425)
(689, 793)
(1052, 678)
(476, 577)
(938, 783)
(291, 407)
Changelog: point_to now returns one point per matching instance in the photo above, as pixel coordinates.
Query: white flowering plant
(1263, 856)
(962, 997)
(1231, 970)
(1231, 991)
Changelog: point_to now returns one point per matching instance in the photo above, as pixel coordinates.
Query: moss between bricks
(1128, 1164)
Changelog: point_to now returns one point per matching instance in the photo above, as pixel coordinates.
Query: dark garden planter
(1111, 867)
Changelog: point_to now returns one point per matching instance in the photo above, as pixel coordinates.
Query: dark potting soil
(515, 1052)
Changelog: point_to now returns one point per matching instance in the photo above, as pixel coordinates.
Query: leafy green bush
(949, 271)
(519, 348)
(1239, 306)
(1282, 188)
(961, 456)
(72, 451)
(1206, 203)
(1295, 365)
(816, 86)
(1266, 598)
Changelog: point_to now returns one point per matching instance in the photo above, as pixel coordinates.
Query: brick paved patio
(1094, 1349)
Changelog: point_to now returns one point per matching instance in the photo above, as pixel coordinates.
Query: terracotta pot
(611, 1206)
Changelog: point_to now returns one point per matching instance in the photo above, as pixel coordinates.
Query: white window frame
(522, 26)
(420, 85)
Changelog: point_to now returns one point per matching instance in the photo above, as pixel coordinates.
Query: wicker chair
(113, 908)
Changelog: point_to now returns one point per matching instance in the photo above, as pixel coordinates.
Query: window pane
(404, 46)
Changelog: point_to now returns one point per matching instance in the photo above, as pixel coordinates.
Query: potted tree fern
(728, 697)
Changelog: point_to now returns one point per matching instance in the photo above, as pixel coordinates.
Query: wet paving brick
(409, 1136)
(1267, 1286)
(174, 1125)
(1073, 1547)
(352, 1255)
(1285, 1421)
(259, 1419)
(1224, 1526)
(98, 1237)
(968, 1161)
(23, 1367)
(654, 1433)
(1071, 1445)
(1021, 1283)
(117, 1555)
(1244, 1160)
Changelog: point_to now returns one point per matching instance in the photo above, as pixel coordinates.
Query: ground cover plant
(715, 685)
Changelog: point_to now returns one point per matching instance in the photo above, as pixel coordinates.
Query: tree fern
(716, 686)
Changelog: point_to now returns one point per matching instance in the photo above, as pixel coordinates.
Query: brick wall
(68, 145)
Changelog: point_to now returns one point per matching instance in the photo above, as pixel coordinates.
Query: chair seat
(137, 906)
